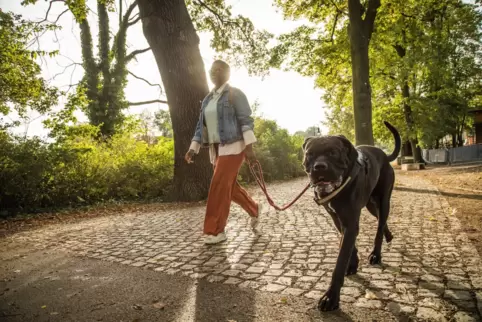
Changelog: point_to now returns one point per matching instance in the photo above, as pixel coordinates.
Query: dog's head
(328, 161)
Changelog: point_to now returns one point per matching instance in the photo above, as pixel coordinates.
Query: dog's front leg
(331, 299)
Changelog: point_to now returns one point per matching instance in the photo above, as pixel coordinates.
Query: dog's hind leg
(383, 211)
(372, 207)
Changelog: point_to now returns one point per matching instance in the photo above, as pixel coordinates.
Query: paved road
(430, 270)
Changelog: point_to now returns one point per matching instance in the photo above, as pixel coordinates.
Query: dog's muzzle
(326, 187)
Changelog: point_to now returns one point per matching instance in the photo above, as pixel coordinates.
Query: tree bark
(360, 31)
(170, 33)
(407, 111)
(454, 140)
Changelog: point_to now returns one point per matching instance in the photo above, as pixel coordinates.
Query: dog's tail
(398, 141)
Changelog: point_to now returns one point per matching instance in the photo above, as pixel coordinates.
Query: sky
(286, 97)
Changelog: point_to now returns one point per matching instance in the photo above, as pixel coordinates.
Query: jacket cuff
(195, 146)
(249, 137)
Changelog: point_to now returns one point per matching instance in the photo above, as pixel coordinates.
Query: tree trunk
(360, 31)
(171, 35)
(362, 103)
(454, 140)
(407, 111)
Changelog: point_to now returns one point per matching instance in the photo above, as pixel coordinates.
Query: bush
(81, 170)
(279, 153)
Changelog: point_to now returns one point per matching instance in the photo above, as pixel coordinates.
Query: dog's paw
(388, 237)
(330, 301)
(375, 259)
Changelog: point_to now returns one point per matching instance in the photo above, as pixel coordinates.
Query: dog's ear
(307, 140)
(349, 148)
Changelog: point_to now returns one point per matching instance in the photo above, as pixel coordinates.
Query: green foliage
(278, 152)
(78, 169)
(433, 47)
(234, 37)
(81, 170)
(162, 120)
(21, 86)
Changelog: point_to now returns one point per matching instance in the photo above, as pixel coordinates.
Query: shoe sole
(214, 243)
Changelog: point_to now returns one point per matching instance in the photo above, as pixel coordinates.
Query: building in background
(476, 137)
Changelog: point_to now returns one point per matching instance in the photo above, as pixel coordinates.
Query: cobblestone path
(430, 270)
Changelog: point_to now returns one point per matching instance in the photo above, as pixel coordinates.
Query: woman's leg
(243, 199)
(221, 193)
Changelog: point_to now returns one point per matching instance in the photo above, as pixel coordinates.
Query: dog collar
(354, 171)
(321, 201)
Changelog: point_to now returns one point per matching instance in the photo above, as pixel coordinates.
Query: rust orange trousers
(224, 189)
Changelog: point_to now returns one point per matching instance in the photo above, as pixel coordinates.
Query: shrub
(279, 153)
(81, 170)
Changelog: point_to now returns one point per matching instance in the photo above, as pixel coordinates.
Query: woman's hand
(189, 155)
(249, 152)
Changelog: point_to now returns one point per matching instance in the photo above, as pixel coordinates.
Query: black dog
(346, 179)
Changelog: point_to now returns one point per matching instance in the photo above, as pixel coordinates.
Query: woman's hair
(222, 63)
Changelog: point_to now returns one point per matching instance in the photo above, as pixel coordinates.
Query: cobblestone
(430, 271)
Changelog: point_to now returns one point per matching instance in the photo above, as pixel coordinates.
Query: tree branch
(334, 26)
(121, 33)
(134, 17)
(146, 102)
(223, 22)
(146, 81)
(370, 16)
(408, 16)
(135, 53)
(65, 68)
(133, 22)
(386, 74)
(60, 15)
(48, 10)
(400, 50)
(354, 8)
(337, 8)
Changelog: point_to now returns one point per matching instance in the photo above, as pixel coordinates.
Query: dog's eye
(333, 153)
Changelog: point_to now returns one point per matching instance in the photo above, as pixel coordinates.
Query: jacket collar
(224, 88)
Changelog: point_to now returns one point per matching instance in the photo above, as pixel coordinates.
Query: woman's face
(219, 74)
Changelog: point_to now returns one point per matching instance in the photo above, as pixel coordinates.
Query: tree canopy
(424, 64)
(21, 86)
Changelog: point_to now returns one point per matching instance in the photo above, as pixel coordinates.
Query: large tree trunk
(360, 31)
(171, 35)
(362, 103)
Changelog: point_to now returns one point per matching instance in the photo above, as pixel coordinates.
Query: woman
(226, 125)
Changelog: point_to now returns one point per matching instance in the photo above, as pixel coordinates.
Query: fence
(454, 155)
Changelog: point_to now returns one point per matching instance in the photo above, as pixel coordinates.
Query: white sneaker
(211, 239)
(255, 220)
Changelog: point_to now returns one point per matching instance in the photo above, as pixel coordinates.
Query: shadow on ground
(54, 286)
(449, 194)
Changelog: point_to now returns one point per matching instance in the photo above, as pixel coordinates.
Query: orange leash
(260, 180)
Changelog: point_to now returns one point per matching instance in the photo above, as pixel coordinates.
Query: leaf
(159, 305)
(44, 306)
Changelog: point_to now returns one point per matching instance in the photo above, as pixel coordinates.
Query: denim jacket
(234, 117)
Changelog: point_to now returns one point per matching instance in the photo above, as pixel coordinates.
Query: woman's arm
(243, 110)
(243, 114)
